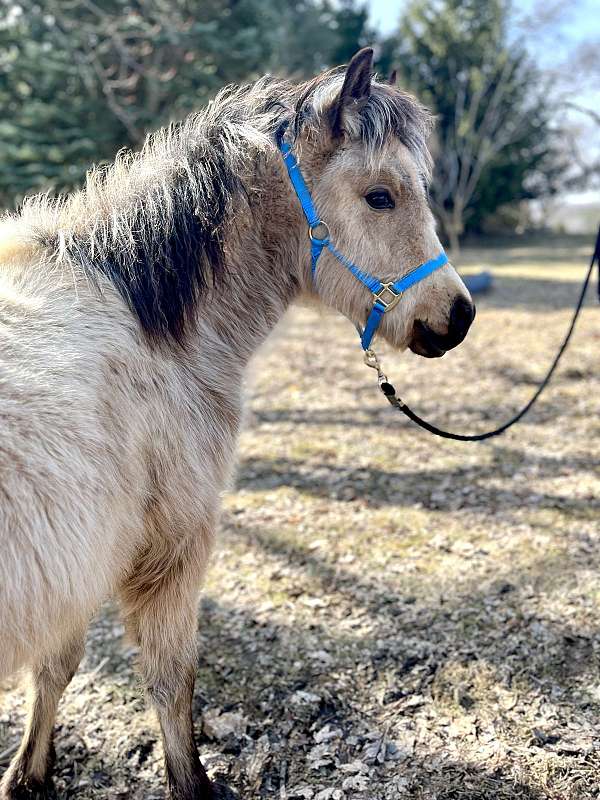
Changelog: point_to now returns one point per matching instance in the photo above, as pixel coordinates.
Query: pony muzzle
(426, 342)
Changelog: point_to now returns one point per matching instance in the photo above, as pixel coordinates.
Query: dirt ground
(389, 615)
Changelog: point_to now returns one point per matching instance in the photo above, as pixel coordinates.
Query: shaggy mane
(154, 223)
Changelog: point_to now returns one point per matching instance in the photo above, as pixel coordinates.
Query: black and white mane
(154, 222)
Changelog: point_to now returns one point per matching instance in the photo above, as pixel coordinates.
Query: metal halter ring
(322, 226)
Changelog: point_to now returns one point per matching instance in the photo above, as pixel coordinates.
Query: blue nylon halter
(386, 295)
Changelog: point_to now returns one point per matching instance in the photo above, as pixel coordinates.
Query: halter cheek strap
(385, 295)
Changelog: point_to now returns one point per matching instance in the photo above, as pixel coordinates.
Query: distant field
(393, 615)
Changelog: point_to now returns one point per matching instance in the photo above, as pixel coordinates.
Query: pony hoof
(222, 792)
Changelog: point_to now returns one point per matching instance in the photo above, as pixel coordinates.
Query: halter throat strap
(385, 295)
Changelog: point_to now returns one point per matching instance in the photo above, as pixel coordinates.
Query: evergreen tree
(353, 31)
(494, 140)
(51, 129)
(81, 78)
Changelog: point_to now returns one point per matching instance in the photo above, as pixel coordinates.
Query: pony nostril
(462, 315)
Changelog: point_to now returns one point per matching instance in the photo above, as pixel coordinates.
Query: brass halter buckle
(387, 296)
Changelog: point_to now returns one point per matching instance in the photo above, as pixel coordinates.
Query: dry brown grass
(392, 615)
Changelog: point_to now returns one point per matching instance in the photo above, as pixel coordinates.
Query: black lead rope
(390, 393)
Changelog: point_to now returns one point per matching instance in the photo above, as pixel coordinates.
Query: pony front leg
(29, 775)
(161, 616)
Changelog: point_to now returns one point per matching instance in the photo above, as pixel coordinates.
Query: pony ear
(393, 77)
(355, 90)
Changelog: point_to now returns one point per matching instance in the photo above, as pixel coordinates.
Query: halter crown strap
(386, 295)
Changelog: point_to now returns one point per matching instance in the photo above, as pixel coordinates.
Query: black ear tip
(361, 63)
(365, 54)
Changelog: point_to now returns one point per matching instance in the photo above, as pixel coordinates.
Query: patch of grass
(396, 616)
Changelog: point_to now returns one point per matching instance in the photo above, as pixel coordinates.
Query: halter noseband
(385, 295)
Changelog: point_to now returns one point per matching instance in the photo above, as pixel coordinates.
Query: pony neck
(267, 265)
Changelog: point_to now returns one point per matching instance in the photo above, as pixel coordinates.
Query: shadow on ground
(258, 663)
(376, 487)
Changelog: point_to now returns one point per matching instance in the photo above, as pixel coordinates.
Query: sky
(575, 23)
(385, 13)
(579, 20)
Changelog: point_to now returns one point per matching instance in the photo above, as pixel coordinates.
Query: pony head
(362, 147)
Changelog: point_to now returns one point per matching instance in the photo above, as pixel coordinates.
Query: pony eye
(380, 199)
